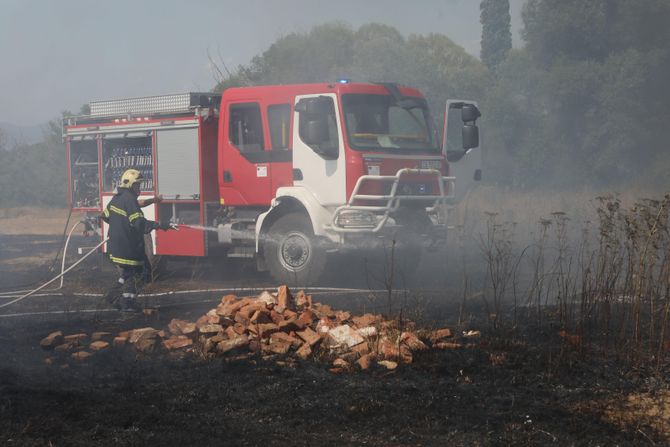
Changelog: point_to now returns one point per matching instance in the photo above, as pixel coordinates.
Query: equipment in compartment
(85, 179)
(126, 153)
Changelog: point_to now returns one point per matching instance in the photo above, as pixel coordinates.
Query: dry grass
(34, 220)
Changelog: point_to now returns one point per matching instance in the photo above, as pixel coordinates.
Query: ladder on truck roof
(175, 103)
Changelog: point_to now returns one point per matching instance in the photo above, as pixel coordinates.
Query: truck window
(331, 136)
(279, 120)
(246, 128)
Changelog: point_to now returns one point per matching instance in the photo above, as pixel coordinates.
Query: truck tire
(292, 253)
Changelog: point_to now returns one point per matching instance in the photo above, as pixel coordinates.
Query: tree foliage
(496, 32)
(34, 174)
(374, 52)
(586, 100)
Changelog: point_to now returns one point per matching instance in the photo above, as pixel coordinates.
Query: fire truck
(284, 174)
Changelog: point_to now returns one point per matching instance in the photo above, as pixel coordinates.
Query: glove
(165, 226)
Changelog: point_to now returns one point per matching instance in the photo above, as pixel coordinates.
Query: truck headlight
(356, 219)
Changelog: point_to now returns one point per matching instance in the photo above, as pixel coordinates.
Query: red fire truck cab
(284, 174)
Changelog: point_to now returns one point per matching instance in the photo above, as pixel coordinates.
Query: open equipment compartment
(127, 151)
(84, 173)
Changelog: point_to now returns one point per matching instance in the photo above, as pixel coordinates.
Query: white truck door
(465, 165)
(320, 167)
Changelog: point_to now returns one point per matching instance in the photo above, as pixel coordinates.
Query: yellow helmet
(130, 177)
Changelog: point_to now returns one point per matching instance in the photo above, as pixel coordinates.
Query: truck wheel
(291, 251)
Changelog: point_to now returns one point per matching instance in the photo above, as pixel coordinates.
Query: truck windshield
(377, 122)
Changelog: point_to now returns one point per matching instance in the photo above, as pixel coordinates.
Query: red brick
(261, 317)
(210, 329)
(304, 351)
(291, 325)
(213, 319)
(146, 344)
(254, 346)
(238, 342)
(265, 330)
(301, 299)
(388, 364)
(95, 336)
(81, 355)
(52, 340)
(240, 318)
(341, 363)
(67, 346)
(324, 310)
(189, 329)
(267, 298)
(177, 342)
(413, 342)
(342, 316)
(99, 345)
(80, 338)
(393, 351)
(441, 333)
(125, 334)
(284, 298)
(324, 325)
(231, 332)
(228, 299)
(365, 361)
(119, 341)
(209, 344)
(307, 317)
(362, 349)
(277, 347)
(176, 326)
(343, 336)
(289, 314)
(250, 309)
(137, 334)
(276, 317)
(281, 336)
(200, 321)
(309, 336)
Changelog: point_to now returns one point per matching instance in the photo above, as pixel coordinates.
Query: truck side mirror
(470, 113)
(315, 132)
(314, 106)
(470, 136)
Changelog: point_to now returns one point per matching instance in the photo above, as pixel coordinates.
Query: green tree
(585, 102)
(496, 32)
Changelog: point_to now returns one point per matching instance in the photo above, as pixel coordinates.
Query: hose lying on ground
(55, 277)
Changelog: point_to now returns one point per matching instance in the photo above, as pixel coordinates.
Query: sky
(58, 55)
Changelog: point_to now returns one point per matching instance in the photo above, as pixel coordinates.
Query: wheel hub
(294, 251)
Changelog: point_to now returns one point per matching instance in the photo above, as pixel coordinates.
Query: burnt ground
(521, 388)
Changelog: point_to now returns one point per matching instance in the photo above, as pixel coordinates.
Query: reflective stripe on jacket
(127, 227)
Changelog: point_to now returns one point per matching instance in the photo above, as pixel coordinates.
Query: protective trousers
(124, 291)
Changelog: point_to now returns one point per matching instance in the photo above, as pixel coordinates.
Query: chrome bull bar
(393, 199)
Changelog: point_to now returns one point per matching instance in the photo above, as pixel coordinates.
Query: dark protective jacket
(127, 227)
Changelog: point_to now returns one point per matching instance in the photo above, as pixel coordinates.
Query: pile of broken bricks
(275, 325)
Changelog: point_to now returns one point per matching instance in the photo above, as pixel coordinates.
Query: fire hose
(62, 273)
(27, 292)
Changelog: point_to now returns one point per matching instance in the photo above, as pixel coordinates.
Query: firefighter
(127, 227)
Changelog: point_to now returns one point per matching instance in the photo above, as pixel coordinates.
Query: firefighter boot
(128, 303)
(113, 295)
